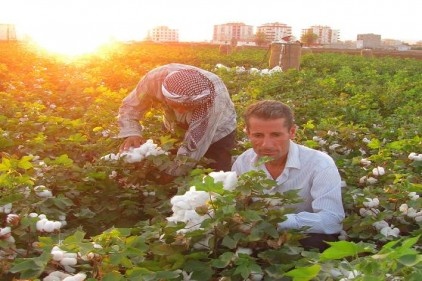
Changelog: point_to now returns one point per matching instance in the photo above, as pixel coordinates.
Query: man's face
(270, 137)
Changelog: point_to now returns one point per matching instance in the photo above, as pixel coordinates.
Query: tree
(308, 38)
(260, 39)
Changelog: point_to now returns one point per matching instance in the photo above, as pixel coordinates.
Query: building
(368, 41)
(7, 32)
(326, 35)
(275, 31)
(234, 34)
(163, 34)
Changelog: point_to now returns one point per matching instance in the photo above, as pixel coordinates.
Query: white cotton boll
(6, 209)
(366, 140)
(221, 66)
(389, 231)
(276, 69)
(4, 231)
(362, 179)
(253, 70)
(403, 208)
(77, 277)
(380, 224)
(255, 276)
(55, 276)
(343, 235)
(343, 184)
(316, 138)
(181, 205)
(371, 202)
(378, 171)
(70, 255)
(246, 251)
(240, 69)
(42, 216)
(229, 179)
(51, 278)
(97, 246)
(413, 196)
(69, 269)
(10, 239)
(418, 218)
(368, 212)
(42, 191)
(411, 212)
(33, 215)
(40, 224)
(265, 71)
(111, 157)
(68, 261)
(371, 180)
(59, 274)
(49, 226)
(334, 146)
(365, 162)
(332, 133)
(415, 156)
(57, 255)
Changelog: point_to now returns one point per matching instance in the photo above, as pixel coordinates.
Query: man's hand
(132, 141)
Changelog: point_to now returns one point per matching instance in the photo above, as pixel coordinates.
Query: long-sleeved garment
(316, 177)
(148, 93)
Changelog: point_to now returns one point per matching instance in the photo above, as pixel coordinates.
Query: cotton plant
(137, 154)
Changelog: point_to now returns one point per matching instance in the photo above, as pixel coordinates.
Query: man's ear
(293, 132)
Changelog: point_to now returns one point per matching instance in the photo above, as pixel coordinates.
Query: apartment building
(326, 35)
(163, 34)
(235, 33)
(275, 31)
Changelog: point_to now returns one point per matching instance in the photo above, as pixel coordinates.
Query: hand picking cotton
(136, 154)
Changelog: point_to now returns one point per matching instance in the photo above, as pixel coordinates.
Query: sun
(67, 41)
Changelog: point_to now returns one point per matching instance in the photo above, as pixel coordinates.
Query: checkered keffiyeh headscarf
(190, 88)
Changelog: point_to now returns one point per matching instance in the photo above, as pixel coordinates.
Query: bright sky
(62, 22)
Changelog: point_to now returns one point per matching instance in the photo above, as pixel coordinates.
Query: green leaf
(24, 163)
(410, 260)
(374, 143)
(63, 160)
(304, 273)
(342, 249)
(113, 276)
(229, 242)
(223, 260)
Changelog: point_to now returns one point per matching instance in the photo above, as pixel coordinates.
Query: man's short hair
(270, 110)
